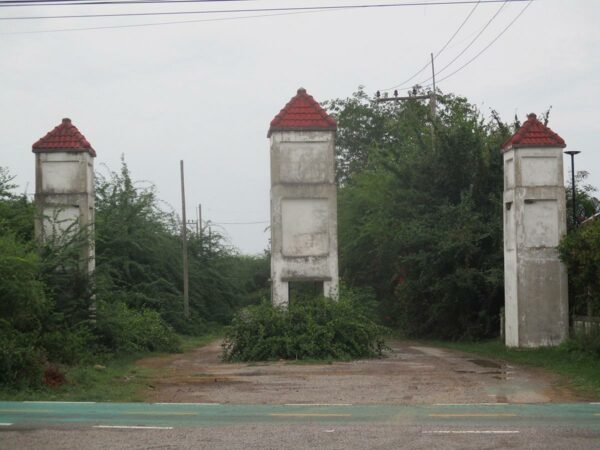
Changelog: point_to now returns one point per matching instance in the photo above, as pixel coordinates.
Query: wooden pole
(186, 268)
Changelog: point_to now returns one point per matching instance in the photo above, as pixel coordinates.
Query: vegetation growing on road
(314, 328)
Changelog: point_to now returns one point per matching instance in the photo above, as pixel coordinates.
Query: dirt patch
(409, 374)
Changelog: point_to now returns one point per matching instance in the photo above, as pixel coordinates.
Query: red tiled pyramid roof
(64, 137)
(302, 112)
(534, 133)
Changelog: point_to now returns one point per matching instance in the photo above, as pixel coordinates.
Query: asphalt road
(57, 425)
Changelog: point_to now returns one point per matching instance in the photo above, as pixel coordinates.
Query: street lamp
(573, 153)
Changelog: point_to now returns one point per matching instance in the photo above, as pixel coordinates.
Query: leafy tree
(580, 251)
(420, 212)
(587, 204)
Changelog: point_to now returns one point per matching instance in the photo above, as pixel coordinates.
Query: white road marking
(5, 424)
(472, 404)
(471, 432)
(132, 427)
(318, 404)
(328, 431)
(195, 404)
(52, 403)
(594, 403)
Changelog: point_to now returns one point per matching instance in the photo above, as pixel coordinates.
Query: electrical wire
(428, 63)
(280, 9)
(10, 4)
(490, 44)
(422, 83)
(152, 24)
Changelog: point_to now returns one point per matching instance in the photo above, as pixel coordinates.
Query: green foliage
(419, 214)
(580, 251)
(311, 328)
(587, 203)
(139, 263)
(125, 330)
(21, 360)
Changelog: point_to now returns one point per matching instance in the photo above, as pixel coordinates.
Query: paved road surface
(55, 425)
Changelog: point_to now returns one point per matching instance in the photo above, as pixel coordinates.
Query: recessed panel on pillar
(303, 198)
(535, 280)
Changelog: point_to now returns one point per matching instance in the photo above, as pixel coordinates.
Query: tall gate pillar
(64, 188)
(303, 198)
(535, 280)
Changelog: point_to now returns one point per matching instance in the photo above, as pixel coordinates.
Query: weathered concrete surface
(536, 298)
(410, 374)
(65, 197)
(303, 211)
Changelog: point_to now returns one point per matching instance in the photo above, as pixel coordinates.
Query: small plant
(311, 328)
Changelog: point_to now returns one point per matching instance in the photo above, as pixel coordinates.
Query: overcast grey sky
(205, 92)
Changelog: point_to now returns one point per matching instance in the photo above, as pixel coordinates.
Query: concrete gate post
(64, 187)
(535, 281)
(303, 198)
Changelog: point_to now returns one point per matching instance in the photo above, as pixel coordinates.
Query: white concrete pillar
(64, 188)
(535, 281)
(303, 198)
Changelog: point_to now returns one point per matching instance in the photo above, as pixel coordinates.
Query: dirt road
(409, 374)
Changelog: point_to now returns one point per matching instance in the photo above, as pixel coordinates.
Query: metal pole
(186, 269)
(573, 189)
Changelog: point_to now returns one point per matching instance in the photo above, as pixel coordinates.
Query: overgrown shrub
(121, 329)
(311, 328)
(585, 342)
(580, 251)
(21, 361)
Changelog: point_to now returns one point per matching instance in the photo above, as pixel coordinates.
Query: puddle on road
(486, 363)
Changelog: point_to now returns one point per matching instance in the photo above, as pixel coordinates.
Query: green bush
(124, 330)
(585, 342)
(21, 361)
(311, 328)
(69, 346)
(580, 251)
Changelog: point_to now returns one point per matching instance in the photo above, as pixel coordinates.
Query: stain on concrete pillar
(535, 281)
(303, 198)
(64, 188)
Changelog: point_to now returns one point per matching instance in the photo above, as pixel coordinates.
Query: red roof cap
(65, 137)
(533, 133)
(302, 113)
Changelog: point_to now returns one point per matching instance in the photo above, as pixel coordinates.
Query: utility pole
(433, 105)
(199, 224)
(431, 97)
(572, 153)
(186, 268)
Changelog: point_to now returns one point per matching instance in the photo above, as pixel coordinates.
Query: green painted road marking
(158, 413)
(474, 415)
(309, 415)
(433, 417)
(26, 411)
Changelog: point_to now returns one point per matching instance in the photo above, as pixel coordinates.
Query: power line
(152, 24)
(489, 22)
(422, 83)
(427, 64)
(10, 4)
(285, 9)
(490, 44)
